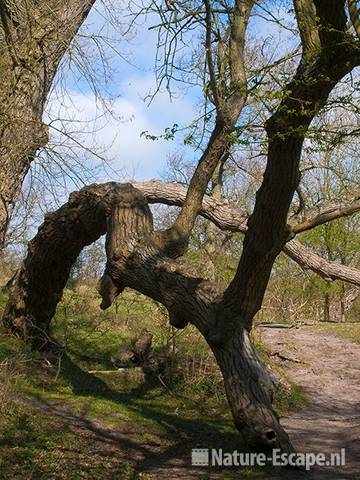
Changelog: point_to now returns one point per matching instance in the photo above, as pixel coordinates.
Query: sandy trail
(330, 378)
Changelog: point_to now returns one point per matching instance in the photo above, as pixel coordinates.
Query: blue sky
(118, 137)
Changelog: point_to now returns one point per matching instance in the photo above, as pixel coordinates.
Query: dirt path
(329, 374)
(328, 370)
(325, 366)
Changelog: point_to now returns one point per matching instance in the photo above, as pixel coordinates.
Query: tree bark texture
(136, 258)
(83, 219)
(33, 38)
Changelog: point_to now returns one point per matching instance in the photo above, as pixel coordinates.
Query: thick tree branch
(329, 53)
(306, 19)
(323, 214)
(83, 219)
(135, 260)
(228, 111)
(309, 260)
(231, 219)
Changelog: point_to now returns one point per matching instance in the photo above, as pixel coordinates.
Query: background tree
(33, 39)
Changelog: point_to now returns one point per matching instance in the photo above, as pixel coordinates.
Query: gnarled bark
(249, 391)
(33, 38)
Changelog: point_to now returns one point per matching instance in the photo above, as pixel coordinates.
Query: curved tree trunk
(249, 390)
(136, 258)
(40, 282)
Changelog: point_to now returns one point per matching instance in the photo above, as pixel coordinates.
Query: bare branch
(231, 219)
(354, 12)
(209, 59)
(324, 214)
(220, 140)
(309, 260)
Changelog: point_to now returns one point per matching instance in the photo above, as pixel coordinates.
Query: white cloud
(118, 135)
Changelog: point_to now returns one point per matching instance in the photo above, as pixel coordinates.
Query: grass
(37, 442)
(61, 421)
(348, 330)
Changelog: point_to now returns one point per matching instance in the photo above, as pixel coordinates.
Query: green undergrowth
(73, 415)
(348, 330)
(53, 402)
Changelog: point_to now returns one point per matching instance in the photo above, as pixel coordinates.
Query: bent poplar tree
(150, 261)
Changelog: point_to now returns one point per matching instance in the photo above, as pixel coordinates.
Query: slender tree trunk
(211, 245)
(336, 309)
(326, 307)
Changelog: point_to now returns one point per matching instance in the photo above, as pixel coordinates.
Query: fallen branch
(108, 372)
(274, 325)
(286, 358)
